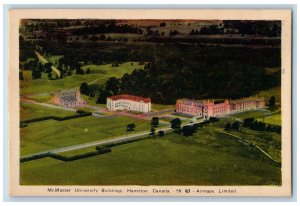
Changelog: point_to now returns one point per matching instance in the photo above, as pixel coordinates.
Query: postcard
(149, 102)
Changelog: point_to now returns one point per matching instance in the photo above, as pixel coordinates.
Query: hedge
(80, 156)
(55, 118)
(34, 157)
(103, 150)
(113, 144)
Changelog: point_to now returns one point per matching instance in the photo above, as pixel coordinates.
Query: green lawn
(32, 111)
(54, 59)
(171, 160)
(167, 119)
(162, 107)
(268, 141)
(250, 114)
(46, 85)
(92, 101)
(42, 98)
(50, 134)
(29, 86)
(118, 72)
(273, 119)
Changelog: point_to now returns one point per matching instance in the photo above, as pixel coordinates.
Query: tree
(235, 126)
(152, 131)
(113, 85)
(79, 70)
(187, 130)
(36, 74)
(162, 24)
(88, 71)
(47, 67)
(254, 125)
(50, 75)
(102, 97)
(21, 77)
(94, 89)
(84, 88)
(228, 127)
(161, 133)
(175, 123)
(154, 121)
(68, 72)
(131, 127)
(248, 122)
(214, 119)
(272, 101)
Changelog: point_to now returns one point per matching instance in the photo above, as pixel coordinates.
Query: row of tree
(206, 30)
(264, 28)
(235, 126)
(253, 124)
(186, 130)
(112, 27)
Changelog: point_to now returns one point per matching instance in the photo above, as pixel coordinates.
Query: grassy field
(54, 59)
(268, 141)
(276, 91)
(92, 101)
(118, 72)
(171, 160)
(274, 119)
(46, 85)
(167, 119)
(250, 114)
(50, 134)
(42, 98)
(29, 86)
(32, 111)
(266, 116)
(155, 107)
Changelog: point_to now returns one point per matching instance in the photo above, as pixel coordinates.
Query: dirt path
(248, 142)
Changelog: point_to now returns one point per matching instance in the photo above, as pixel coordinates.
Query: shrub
(214, 119)
(161, 133)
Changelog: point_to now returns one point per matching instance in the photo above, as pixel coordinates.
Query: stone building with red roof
(69, 98)
(128, 102)
(210, 108)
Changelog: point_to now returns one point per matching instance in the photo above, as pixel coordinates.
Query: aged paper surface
(17, 189)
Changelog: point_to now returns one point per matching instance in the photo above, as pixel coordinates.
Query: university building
(128, 102)
(247, 104)
(210, 108)
(71, 98)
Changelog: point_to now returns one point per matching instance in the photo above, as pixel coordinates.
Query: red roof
(130, 97)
